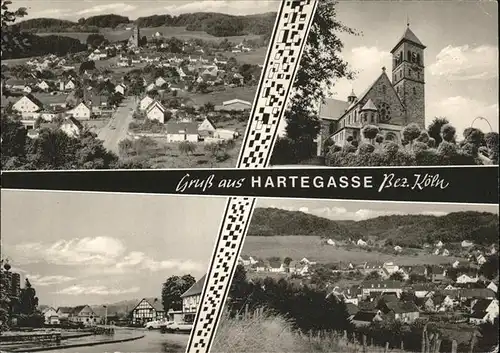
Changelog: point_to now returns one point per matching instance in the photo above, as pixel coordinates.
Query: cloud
(119, 7)
(96, 290)
(367, 62)
(466, 63)
(461, 111)
(140, 261)
(234, 7)
(97, 250)
(38, 280)
(51, 13)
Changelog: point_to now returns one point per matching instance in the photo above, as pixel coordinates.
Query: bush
(379, 138)
(474, 136)
(423, 137)
(419, 146)
(390, 147)
(431, 143)
(428, 157)
(366, 148)
(370, 131)
(411, 132)
(349, 148)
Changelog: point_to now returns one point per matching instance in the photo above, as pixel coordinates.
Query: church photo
(403, 85)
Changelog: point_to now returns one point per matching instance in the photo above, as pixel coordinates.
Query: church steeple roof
(409, 36)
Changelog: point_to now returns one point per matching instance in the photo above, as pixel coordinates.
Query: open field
(168, 32)
(255, 57)
(311, 247)
(216, 98)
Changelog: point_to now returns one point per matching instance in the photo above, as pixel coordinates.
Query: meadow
(115, 35)
(311, 247)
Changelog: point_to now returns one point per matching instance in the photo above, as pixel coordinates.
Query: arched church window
(409, 56)
(414, 57)
(371, 118)
(355, 116)
(384, 112)
(418, 58)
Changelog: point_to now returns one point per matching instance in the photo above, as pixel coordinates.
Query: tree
(411, 133)
(239, 290)
(13, 142)
(12, 39)
(491, 139)
(172, 290)
(448, 133)
(95, 40)
(28, 301)
(396, 276)
(187, 147)
(287, 261)
(320, 67)
(370, 132)
(490, 268)
(434, 129)
(87, 66)
(373, 275)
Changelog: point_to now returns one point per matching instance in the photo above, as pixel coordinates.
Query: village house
(147, 310)
(191, 299)
(234, 105)
(465, 278)
(366, 318)
(160, 82)
(71, 127)
(375, 287)
(50, 316)
(81, 112)
(43, 85)
(296, 267)
(276, 267)
(79, 314)
(207, 128)
(156, 111)
(406, 312)
(492, 286)
(182, 131)
(391, 267)
(69, 86)
(484, 310)
(28, 105)
(361, 242)
(466, 244)
(246, 260)
(260, 266)
(422, 290)
(480, 259)
(150, 87)
(145, 102)
(120, 88)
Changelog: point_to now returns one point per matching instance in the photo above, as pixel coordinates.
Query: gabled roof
(65, 309)
(402, 307)
(408, 36)
(34, 99)
(74, 121)
(369, 106)
(155, 104)
(366, 316)
(333, 108)
(195, 289)
(190, 128)
(482, 305)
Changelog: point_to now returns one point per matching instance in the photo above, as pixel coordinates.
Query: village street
(116, 129)
(154, 341)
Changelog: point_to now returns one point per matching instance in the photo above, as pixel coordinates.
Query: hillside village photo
(328, 273)
(414, 89)
(159, 91)
(126, 271)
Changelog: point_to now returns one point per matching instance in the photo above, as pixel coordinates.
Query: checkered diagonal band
(292, 26)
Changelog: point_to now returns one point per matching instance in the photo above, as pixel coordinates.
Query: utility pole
(106, 315)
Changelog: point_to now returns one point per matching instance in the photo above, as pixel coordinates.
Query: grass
(274, 334)
(168, 32)
(165, 155)
(216, 98)
(311, 247)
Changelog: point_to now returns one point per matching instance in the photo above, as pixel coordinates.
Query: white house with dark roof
(145, 102)
(28, 105)
(81, 112)
(182, 131)
(71, 127)
(156, 111)
(234, 105)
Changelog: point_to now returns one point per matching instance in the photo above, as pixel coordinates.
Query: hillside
(405, 230)
(216, 24)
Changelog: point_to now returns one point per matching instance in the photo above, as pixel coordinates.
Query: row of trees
(435, 146)
(309, 309)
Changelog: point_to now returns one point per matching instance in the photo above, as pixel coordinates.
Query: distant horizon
(358, 211)
(73, 10)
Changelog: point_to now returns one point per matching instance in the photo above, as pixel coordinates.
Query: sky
(90, 248)
(342, 210)
(461, 37)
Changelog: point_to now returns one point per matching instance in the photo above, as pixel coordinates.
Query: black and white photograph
(98, 84)
(358, 276)
(395, 83)
(85, 273)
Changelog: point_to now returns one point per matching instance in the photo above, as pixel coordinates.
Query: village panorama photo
(395, 83)
(93, 273)
(359, 276)
(149, 84)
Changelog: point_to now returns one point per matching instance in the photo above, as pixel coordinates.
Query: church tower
(408, 76)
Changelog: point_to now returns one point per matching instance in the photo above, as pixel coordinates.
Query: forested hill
(408, 230)
(216, 24)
